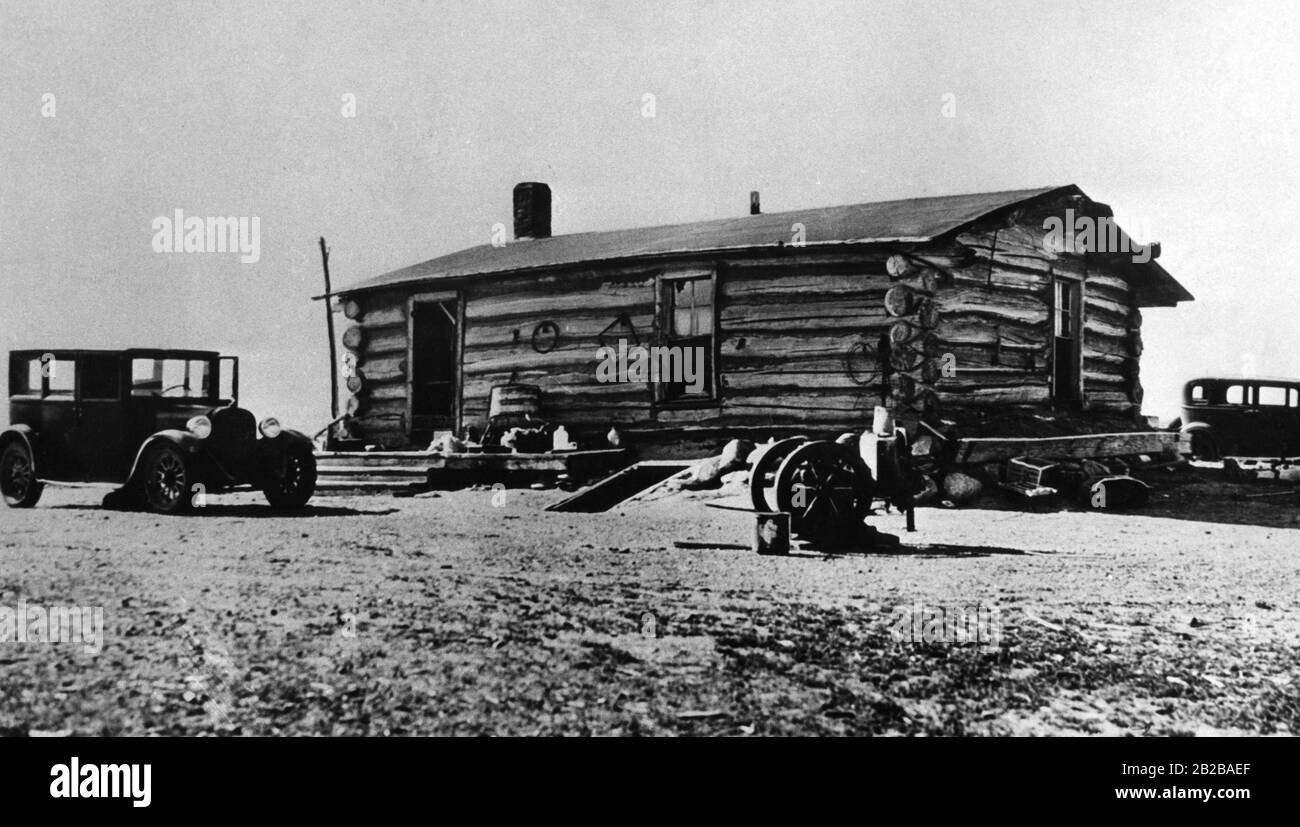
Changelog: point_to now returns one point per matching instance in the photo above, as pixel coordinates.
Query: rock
(736, 452)
(708, 473)
(961, 488)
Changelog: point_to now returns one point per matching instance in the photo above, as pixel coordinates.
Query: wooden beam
(997, 449)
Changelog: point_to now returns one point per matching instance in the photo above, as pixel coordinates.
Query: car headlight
(270, 427)
(200, 426)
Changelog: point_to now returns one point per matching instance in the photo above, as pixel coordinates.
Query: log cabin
(944, 307)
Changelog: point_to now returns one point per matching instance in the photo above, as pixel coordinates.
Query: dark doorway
(434, 392)
(1066, 339)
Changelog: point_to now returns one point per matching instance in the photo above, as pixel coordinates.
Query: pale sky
(1182, 116)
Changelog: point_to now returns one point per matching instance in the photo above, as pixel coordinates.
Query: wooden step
(374, 459)
(366, 486)
(362, 471)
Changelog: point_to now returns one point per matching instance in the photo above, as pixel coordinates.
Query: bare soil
(477, 612)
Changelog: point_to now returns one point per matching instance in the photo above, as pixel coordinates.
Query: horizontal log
(577, 328)
(851, 287)
(998, 449)
(1094, 327)
(384, 316)
(985, 396)
(803, 308)
(540, 305)
(965, 329)
(1095, 378)
(791, 381)
(384, 341)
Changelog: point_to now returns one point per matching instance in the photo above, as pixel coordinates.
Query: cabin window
(1065, 300)
(99, 379)
(1272, 395)
(688, 310)
(1235, 395)
(1066, 342)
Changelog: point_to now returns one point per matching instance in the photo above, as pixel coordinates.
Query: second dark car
(1241, 417)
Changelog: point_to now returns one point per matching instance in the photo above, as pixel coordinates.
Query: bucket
(772, 532)
(514, 400)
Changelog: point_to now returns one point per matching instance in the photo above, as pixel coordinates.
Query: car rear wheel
(18, 481)
(166, 480)
(295, 483)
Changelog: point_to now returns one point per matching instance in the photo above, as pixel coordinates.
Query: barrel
(514, 400)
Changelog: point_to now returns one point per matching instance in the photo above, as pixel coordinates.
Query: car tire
(165, 478)
(296, 487)
(18, 482)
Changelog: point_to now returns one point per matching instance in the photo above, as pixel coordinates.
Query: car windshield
(183, 378)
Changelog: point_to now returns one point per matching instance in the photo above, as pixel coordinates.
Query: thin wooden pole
(329, 324)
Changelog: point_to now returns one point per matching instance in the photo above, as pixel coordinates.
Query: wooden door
(434, 382)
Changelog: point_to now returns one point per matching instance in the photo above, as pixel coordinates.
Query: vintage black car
(1228, 417)
(165, 424)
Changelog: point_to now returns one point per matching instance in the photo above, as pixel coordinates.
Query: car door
(59, 457)
(1272, 416)
(100, 438)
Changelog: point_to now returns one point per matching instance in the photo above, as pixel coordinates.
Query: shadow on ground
(249, 510)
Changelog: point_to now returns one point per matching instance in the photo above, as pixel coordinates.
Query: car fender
(1191, 427)
(286, 439)
(29, 438)
(184, 440)
(298, 438)
(271, 452)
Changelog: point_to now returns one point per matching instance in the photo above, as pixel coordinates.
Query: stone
(961, 488)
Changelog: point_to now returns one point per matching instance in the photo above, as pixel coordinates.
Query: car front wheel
(293, 486)
(166, 480)
(18, 481)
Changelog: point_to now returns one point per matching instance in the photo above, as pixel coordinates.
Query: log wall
(798, 338)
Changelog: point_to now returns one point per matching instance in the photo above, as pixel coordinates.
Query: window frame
(1259, 396)
(211, 366)
(664, 322)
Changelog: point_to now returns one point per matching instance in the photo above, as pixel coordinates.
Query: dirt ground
(477, 612)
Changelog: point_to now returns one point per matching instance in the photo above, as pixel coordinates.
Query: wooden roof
(909, 221)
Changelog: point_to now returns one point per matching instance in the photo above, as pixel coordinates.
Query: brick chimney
(532, 211)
